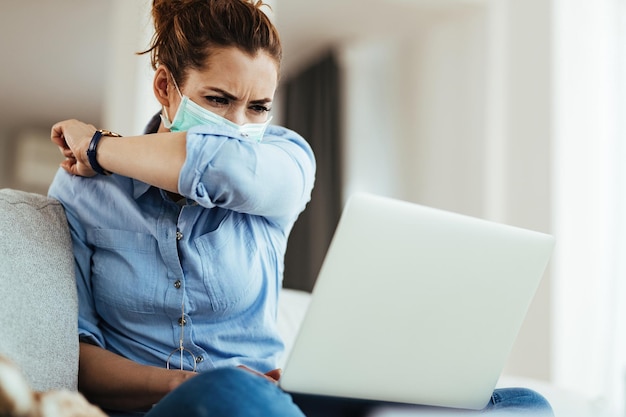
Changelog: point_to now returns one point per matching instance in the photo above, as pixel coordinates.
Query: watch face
(109, 133)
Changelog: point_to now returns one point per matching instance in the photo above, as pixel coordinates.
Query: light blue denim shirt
(141, 256)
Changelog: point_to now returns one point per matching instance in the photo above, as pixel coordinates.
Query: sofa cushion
(38, 302)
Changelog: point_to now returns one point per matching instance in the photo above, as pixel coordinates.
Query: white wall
(458, 116)
(129, 101)
(29, 160)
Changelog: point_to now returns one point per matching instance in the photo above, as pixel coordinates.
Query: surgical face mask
(190, 114)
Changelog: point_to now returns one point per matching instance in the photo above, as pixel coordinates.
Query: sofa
(38, 303)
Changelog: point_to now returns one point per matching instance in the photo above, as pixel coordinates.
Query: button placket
(178, 283)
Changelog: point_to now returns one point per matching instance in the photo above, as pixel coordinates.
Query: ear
(161, 86)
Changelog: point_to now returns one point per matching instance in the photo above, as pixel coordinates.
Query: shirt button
(177, 284)
(182, 321)
(199, 359)
(179, 235)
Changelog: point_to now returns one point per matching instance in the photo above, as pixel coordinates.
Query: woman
(179, 253)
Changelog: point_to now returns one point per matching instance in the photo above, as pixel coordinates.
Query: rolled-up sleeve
(272, 178)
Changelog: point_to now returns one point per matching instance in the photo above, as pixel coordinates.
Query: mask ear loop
(176, 86)
(167, 116)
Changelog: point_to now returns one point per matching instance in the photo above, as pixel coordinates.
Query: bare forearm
(116, 383)
(154, 159)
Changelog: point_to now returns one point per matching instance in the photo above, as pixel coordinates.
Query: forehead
(237, 72)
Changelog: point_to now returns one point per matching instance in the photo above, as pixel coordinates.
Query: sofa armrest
(38, 302)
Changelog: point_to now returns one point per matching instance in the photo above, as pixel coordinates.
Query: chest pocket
(231, 264)
(124, 270)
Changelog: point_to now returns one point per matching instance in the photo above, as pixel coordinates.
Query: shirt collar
(139, 188)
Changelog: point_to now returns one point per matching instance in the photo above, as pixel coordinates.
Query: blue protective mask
(190, 114)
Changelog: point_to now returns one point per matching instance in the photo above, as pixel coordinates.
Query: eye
(217, 100)
(259, 108)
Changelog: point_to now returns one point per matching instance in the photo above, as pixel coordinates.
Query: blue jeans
(232, 392)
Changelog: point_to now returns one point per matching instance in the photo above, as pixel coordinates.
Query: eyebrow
(232, 97)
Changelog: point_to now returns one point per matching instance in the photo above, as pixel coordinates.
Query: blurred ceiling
(53, 52)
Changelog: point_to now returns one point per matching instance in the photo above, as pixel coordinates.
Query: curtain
(311, 108)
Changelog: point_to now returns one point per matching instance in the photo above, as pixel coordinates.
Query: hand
(178, 377)
(73, 137)
(273, 375)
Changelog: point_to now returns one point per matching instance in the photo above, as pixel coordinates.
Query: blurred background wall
(507, 110)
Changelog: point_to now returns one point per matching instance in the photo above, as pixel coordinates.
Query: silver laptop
(415, 305)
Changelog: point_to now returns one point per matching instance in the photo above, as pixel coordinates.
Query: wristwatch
(93, 147)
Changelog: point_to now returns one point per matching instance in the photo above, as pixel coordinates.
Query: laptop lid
(415, 305)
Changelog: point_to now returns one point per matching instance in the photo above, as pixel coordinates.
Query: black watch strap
(92, 151)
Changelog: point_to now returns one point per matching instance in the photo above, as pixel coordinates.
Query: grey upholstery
(38, 305)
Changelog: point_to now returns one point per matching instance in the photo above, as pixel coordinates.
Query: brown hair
(186, 30)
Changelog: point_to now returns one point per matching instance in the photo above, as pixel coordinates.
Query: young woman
(179, 234)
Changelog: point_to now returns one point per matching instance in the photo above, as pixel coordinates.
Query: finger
(274, 374)
(57, 136)
(67, 165)
(67, 152)
(56, 130)
(269, 378)
(59, 141)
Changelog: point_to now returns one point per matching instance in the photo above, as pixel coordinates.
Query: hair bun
(163, 11)
(185, 29)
